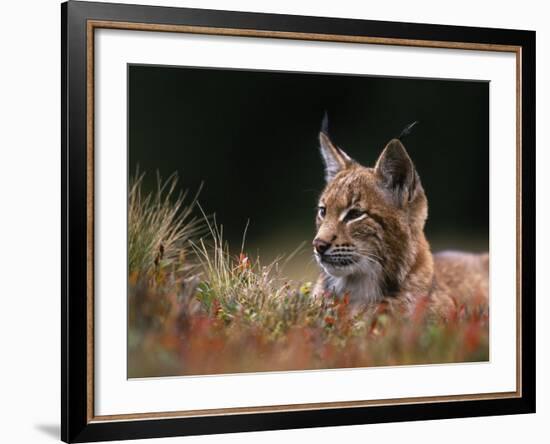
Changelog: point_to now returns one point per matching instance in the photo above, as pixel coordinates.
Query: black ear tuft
(334, 158)
(407, 130)
(324, 123)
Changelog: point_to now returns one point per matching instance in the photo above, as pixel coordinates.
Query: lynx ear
(334, 158)
(395, 170)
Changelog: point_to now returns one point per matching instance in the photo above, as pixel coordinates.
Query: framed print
(277, 221)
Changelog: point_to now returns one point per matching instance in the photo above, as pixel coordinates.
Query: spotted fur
(370, 241)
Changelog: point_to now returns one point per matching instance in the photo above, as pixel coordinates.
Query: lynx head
(370, 221)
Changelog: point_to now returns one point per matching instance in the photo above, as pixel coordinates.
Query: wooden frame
(79, 21)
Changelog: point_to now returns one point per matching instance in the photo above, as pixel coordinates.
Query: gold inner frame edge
(106, 24)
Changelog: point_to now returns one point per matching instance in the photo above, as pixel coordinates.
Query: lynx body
(370, 241)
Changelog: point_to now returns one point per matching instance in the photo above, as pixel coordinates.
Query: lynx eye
(322, 211)
(353, 214)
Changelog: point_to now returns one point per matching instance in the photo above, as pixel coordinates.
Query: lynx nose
(320, 245)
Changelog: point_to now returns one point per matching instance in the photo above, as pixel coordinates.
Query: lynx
(370, 241)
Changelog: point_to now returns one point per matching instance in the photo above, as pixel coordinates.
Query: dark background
(252, 138)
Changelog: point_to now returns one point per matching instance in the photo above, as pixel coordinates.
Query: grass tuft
(160, 227)
(242, 289)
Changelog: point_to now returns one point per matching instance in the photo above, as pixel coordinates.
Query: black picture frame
(76, 325)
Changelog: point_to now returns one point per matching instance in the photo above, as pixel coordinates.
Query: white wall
(30, 208)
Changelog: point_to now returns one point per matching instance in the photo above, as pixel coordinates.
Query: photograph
(297, 220)
(287, 221)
